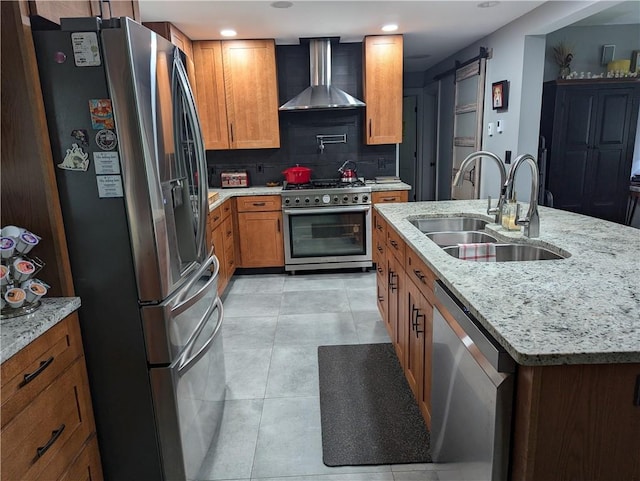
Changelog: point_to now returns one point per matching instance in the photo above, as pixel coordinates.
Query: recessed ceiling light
(281, 4)
(228, 32)
(487, 4)
(392, 27)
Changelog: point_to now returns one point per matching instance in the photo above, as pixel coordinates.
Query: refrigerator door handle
(183, 304)
(198, 144)
(187, 359)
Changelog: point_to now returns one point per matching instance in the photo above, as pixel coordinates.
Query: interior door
(467, 126)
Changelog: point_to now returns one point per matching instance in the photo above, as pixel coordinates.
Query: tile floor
(271, 425)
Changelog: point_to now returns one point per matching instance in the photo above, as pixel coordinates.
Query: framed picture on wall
(500, 95)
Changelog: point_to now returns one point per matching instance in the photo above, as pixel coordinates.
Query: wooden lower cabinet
(222, 238)
(405, 301)
(48, 428)
(260, 231)
(577, 422)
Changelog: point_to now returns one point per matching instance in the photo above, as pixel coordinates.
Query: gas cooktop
(324, 184)
(326, 193)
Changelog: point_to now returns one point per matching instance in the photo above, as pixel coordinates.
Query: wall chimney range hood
(321, 95)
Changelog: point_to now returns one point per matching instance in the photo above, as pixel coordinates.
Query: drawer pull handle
(380, 269)
(388, 199)
(216, 218)
(54, 437)
(419, 274)
(259, 204)
(380, 249)
(394, 244)
(31, 376)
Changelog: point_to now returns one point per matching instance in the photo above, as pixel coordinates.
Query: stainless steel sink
(460, 237)
(449, 224)
(515, 252)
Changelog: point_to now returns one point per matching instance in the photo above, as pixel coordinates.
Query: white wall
(518, 55)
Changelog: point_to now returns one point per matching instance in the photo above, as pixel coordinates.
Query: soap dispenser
(510, 214)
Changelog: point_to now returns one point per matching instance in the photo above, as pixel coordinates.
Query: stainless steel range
(327, 225)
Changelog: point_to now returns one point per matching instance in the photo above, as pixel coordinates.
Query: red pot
(297, 175)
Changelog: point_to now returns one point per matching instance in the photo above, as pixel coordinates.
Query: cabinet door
(383, 89)
(116, 8)
(415, 322)
(395, 312)
(612, 153)
(261, 241)
(210, 94)
(55, 10)
(568, 170)
(251, 93)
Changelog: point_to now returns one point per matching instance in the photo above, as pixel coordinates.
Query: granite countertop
(17, 332)
(584, 309)
(225, 194)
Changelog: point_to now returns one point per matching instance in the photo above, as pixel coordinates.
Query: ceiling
(433, 30)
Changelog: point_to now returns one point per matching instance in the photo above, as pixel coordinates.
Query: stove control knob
(297, 200)
(355, 198)
(326, 199)
(345, 198)
(365, 198)
(307, 200)
(335, 199)
(317, 200)
(287, 201)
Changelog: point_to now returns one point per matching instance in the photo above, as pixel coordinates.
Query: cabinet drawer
(50, 431)
(35, 366)
(379, 226)
(259, 203)
(420, 275)
(396, 245)
(215, 218)
(389, 196)
(86, 467)
(225, 209)
(381, 269)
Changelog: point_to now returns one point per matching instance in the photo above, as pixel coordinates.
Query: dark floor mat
(368, 412)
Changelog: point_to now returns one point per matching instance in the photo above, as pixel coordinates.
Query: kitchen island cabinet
(48, 429)
(578, 367)
(237, 93)
(260, 231)
(383, 89)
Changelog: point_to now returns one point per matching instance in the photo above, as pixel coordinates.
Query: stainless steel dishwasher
(471, 396)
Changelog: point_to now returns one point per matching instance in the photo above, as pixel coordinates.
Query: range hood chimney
(321, 94)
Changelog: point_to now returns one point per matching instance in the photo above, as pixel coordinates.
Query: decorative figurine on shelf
(563, 55)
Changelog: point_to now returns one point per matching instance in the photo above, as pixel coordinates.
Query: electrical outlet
(499, 126)
(259, 168)
(490, 129)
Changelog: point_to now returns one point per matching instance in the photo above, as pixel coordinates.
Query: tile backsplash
(298, 130)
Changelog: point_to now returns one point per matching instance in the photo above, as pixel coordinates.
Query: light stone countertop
(225, 194)
(17, 332)
(584, 309)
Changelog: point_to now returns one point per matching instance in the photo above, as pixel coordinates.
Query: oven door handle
(327, 210)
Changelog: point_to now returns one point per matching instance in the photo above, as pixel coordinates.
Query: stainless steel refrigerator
(131, 174)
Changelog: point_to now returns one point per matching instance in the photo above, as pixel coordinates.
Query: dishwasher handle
(495, 354)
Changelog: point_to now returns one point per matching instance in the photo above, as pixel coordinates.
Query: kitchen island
(583, 309)
(571, 324)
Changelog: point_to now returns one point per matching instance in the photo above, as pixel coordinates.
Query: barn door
(467, 126)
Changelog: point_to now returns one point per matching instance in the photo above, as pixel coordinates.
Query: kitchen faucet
(503, 175)
(531, 222)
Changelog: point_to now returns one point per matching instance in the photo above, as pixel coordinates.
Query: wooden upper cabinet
(116, 8)
(55, 10)
(251, 88)
(383, 89)
(237, 93)
(210, 99)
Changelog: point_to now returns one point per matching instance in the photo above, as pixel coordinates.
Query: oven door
(328, 236)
